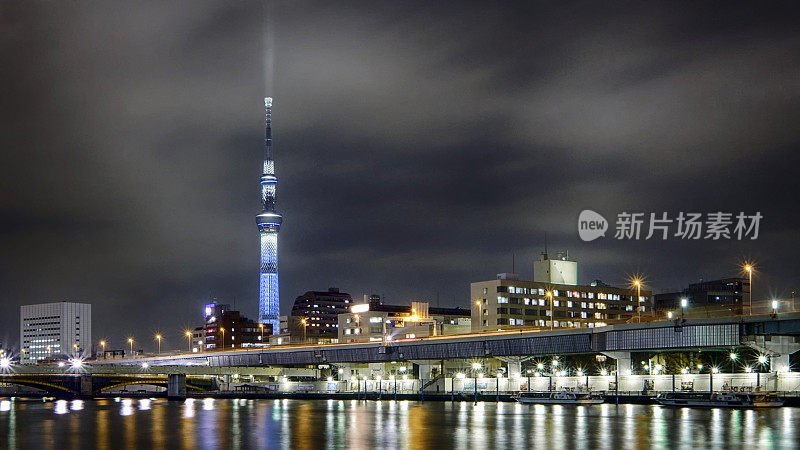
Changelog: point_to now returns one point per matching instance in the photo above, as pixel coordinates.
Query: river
(310, 424)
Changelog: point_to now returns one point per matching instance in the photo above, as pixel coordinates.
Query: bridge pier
(176, 386)
(779, 348)
(623, 360)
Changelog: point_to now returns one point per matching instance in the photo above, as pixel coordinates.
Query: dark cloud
(417, 146)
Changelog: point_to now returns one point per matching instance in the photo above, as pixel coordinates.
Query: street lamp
(304, 321)
(733, 357)
(75, 347)
(552, 316)
(222, 330)
(749, 269)
(158, 338)
(130, 341)
(774, 307)
(669, 314)
(684, 304)
(261, 326)
(475, 368)
(189, 338)
(638, 283)
(103, 344)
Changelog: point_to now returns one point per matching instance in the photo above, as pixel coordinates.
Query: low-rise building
(226, 328)
(375, 322)
(728, 296)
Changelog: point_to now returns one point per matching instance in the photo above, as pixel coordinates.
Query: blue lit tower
(269, 222)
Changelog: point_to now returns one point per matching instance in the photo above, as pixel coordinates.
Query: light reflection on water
(242, 424)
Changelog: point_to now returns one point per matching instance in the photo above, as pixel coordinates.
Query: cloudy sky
(418, 146)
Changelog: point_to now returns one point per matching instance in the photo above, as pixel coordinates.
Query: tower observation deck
(269, 223)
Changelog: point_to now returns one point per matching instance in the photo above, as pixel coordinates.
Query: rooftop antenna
(513, 263)
(545, 245)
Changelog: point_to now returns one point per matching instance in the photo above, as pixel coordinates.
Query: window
(501, 299)
(591, 305)
(541, 302)
(527, 301)
(517, 311)
(374, 320)
(583, 315)
(502, 310)
(485, 312)
(556, 303)
(569, 304)
(583, 305)
(512, 321)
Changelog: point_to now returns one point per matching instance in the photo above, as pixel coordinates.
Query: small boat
(719, 399)
(560, 398)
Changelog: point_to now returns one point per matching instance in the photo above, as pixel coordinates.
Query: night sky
(418, 145)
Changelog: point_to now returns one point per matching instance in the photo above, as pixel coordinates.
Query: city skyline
(130, 186)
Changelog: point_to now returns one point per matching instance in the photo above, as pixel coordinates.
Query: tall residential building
(51, 329)
(269, 223)
(321, 310)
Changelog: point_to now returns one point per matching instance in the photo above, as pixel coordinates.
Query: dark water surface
(308, 424)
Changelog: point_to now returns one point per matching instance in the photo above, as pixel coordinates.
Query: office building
(508, 303)
(62, 329)
(728, 296)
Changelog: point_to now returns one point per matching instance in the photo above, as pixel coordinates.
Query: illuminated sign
(209, 309)
(360, 308)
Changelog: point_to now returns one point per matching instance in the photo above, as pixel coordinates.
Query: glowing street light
(733, 356)
(540, 366)
(158, 338)
(145, 365)
(762, 359)
(749, 269)
(684, 304)
(549, 294)
(638, 283)
(189, 338)
(222, 330)
(669, 314)
(304, 322)
(103, 344)
(774, 307)
(130, 341)
(5, 363)
(261, 326)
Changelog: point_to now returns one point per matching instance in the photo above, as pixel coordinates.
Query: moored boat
(561, 398)
(719, 399)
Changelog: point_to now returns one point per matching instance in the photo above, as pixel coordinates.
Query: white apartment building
(50, 329)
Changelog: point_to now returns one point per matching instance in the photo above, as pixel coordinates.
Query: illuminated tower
(269, 222)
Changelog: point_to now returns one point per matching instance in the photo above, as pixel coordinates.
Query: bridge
(759, 332)
(434, 362)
